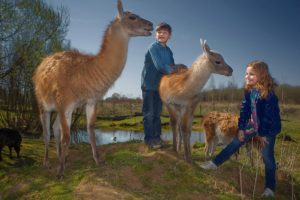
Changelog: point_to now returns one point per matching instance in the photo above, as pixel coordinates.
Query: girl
(259, 115)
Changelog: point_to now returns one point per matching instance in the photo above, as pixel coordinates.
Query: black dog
(12, 139)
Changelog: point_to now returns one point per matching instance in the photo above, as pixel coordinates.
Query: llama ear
(201, 42)
(120, 9)
(205, 46)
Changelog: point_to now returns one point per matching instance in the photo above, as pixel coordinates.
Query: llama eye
(132, 17)
(218, 62)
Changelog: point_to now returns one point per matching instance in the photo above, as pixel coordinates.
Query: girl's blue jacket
(268, 114)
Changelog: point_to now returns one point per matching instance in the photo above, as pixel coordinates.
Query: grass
(131, 171)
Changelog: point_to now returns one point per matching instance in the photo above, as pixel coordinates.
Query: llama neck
(113, 52)
(201, 72)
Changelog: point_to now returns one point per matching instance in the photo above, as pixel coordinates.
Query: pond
(108, 137)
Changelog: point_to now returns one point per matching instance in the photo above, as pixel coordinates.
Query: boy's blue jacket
(158, 61)
(268, 114)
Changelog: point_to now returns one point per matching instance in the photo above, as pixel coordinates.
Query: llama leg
(186, 125)
(208, 148)
(187, 149)
(65, 121)
(213, 146)
(208, 141)
(178, 127)
(57, 135)
(188, 135)
(179, 136)
(91, 119)
(173, 123)
(45, 120)
(210, 134)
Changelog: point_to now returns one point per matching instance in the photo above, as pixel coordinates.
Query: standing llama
(181, 91)
(69, 79)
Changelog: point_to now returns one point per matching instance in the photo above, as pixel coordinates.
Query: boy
(158, 62)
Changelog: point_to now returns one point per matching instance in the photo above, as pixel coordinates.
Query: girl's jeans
(267, 155)
(152, 107)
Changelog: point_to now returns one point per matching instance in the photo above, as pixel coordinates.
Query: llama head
(133, 24)
(216, 60)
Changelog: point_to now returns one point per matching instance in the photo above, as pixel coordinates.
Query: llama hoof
(60, 174)
(175, 149)
(47, 166)
(188, 160)
(67, 159)
(60, 177)
(99, 161)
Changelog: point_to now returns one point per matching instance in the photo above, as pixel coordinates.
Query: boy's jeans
(267, 154)
(152, 107)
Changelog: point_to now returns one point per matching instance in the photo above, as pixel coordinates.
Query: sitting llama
(222, 128)
(180, 92)
(66, 80)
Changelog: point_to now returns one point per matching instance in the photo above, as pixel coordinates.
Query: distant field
(129, 117)
(128, 108)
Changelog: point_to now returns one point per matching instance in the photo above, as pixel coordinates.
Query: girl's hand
(241, 135)
(262, 141)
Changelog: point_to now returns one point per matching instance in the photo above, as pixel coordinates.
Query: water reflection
(108, 137)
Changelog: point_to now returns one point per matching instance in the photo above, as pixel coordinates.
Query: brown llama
(181, 91)
(218, 128)
(69, 79)
(221, 128)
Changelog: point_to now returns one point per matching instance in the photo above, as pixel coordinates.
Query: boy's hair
(265, 83)
(163, 26)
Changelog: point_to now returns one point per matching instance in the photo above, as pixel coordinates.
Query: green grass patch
(134, 172)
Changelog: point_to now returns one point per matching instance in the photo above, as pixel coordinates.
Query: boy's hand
(241, 135)
(179, 68)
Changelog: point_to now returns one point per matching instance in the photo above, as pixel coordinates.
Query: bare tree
(29, 30)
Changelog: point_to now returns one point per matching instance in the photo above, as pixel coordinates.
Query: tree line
(29, 30)
(287, 94)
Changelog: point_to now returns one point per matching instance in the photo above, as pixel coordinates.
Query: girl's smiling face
(251, 78)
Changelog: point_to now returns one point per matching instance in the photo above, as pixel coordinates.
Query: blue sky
(241, 31)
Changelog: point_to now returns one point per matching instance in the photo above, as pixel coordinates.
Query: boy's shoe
(152, 145)
(268, 193)
(209, 165)
(162, 143)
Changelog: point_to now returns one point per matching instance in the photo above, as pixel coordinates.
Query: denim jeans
(152, 107)
(267, 155)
